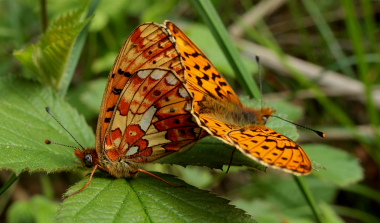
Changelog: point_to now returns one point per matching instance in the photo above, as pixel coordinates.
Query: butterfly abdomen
(234, 114)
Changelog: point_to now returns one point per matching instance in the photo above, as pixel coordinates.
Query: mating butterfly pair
(163, 95)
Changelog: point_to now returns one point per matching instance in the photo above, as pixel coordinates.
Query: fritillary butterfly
(146, 110)
(219, 111)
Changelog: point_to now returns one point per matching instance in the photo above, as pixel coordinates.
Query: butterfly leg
(88, 182)
(151, 174)
(231, 159)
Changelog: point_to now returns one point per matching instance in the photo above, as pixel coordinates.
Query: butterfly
(146, 109)
(219, 111)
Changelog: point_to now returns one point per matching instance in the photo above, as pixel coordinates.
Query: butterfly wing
(271, 149)
(204, 81)
(212, 92)
(202, 77)
(149, 46)
(136, 124)
(152, 118)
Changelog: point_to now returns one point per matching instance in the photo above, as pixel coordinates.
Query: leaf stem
(309, 197)
(44, 20)
(8, 183)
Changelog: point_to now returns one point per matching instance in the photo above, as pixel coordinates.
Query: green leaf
(145, 199)
(25, 125)
(342, 168)
(49, 58)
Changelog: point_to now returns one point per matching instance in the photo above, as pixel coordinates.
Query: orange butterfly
(219, 111)
(145, 113)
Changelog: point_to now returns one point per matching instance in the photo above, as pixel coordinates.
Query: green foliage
(37, 209)
(88, 97)
(49, 58)
(145, 199)
(26, 125)
(339, 167)
(49, 61)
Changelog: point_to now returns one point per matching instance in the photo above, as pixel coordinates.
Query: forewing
(271, 149)
(149, 46)
(152, 118)
(202, 78)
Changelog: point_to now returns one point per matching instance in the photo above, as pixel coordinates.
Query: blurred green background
(321, 57)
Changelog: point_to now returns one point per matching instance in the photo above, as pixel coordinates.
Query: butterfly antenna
(260, 80)
(321, 134)
(46, 141)
(60, 144)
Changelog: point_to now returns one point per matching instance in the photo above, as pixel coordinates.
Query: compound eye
(265, 118)
(88, 160)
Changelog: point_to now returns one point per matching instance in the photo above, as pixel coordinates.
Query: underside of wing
(271, 149)
(149, 46)
(152, 118)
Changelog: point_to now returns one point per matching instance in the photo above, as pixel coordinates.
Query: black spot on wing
(111, 109)
(214, 76)
(196, 54)
(206, 77)
(199, 81)
(206, 68)
(117, 91)
(222, 83)
(218, 92)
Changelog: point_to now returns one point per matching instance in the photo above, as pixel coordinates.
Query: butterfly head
(89, 157)
(263, 115)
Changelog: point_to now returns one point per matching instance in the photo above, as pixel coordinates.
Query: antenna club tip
(47, 109)
(321, 134)
(47, 141)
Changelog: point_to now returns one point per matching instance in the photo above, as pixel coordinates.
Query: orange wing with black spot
(219, 111)
(271, 149)
(202, 77)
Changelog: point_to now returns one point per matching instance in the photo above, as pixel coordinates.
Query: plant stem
(309, 197)
(8, 183)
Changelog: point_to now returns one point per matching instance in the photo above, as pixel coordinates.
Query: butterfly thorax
(234, 114)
